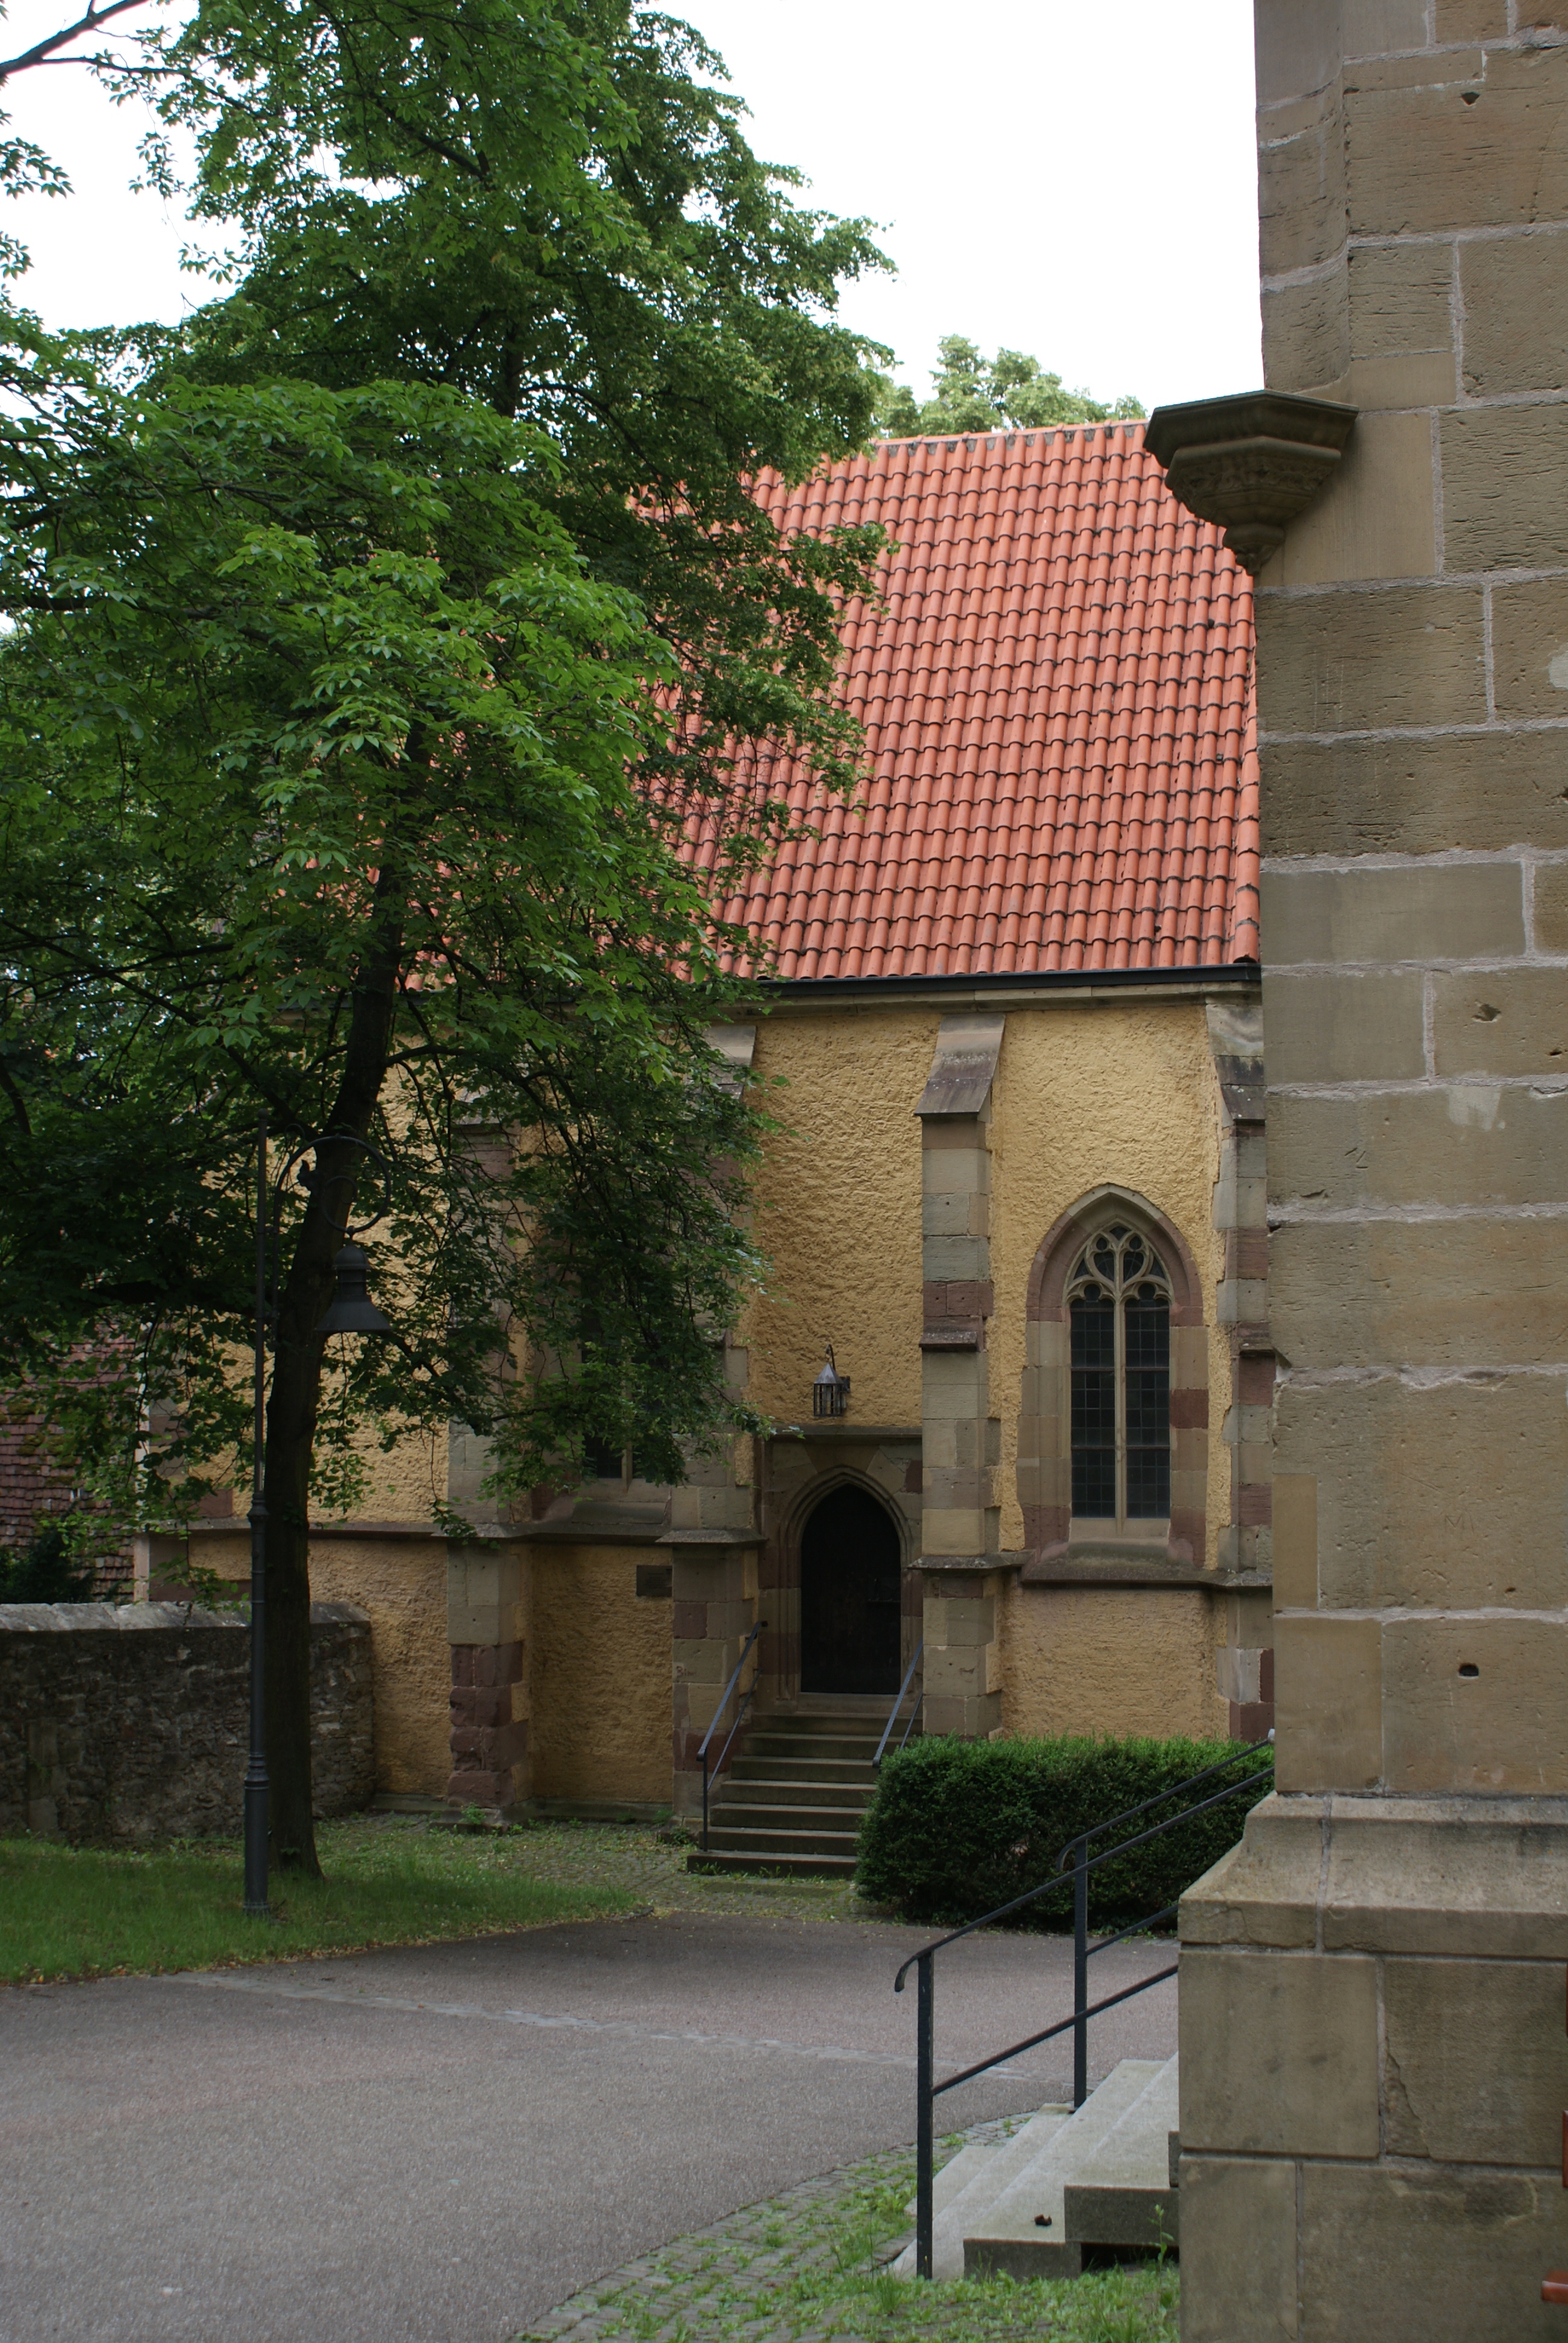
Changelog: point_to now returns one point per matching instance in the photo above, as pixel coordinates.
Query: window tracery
(1119, 1298)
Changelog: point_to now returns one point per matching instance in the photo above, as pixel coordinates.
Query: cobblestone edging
(707, 2284)
(809, 2266)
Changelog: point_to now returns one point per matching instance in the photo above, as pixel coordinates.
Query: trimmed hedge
(957, 1827)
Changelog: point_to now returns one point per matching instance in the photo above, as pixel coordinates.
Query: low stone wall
(133, 1722)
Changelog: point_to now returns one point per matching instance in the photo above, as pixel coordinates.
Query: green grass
(80, 1912)
(803, 2269)
(847, 2295)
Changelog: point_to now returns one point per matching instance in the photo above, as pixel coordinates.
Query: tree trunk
(306, 1293)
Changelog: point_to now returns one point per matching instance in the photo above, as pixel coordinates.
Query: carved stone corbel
(1251, 463)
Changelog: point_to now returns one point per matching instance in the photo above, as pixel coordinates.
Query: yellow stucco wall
(1117, 1093)
(402, 1583)
(840, 1209)
(598, 1677)
(405, 1483)
(1116, 1660)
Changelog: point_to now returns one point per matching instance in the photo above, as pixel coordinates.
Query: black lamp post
(352, 1311)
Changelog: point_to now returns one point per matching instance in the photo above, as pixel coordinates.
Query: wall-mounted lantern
(830, 1391)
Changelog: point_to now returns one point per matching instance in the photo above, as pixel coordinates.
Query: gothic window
(1119, 1307)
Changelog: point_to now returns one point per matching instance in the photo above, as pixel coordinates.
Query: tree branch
(41, 51)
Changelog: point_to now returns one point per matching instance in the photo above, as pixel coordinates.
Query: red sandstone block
(483, 1707)
(480, 1789)
(492, 1746)
(1189, 1531)
(1247, 1252)
(964, 1299)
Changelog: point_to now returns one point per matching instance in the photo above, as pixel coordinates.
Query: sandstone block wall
(1374, 2063)
(1413, 682)
(134, 1723)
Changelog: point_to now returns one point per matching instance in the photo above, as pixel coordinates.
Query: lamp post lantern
(352, 1311)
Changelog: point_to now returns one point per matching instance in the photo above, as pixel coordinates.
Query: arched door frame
(901, 1507)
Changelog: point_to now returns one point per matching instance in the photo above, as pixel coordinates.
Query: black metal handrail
(739, 1720)
(893, 1712)
(929, 2090)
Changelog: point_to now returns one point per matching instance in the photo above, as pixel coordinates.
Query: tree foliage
(972, 393)
(321, 747)
(373, 639)
(553, 208)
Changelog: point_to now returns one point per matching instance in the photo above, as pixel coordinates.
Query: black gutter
(1236, 974)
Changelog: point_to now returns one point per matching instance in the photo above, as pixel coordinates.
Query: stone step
(950, 2183)
(848, 1748)
(790, 1837)
(983, 2183)
(1121, 2196)
(765, 1765)
(1022, 2233)
(771, 1790)
(786, 1814)
(791, 1866)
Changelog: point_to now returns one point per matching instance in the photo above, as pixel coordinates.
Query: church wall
(840, 1209)
(1141, 1660)
(1116, 1092)
(565, 1695)
(598, 1677)
(402, 1583)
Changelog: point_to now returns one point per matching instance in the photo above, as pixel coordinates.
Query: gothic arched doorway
(849, 1597)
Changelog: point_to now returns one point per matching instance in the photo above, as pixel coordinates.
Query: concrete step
(791, 1866)
(786, 1814)
(956, 2174)
(1123, 2194)
(1022, 2233)
(849, 1749)
(764, 1767)
(794, 1796)
(983, 2183)
(769, 1790)
(790, 1837)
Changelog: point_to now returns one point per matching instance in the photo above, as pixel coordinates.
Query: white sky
(1069, 180)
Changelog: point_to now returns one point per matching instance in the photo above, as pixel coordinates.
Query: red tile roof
(1058, 704)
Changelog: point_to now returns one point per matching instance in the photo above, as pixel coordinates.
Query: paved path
(438, 2145)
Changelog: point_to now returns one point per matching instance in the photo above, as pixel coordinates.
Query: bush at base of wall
(957, 1827)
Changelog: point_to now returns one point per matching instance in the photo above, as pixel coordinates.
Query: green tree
(971, 393)
(374, 640)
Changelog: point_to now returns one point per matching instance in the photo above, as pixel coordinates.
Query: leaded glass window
(1119, 1304)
